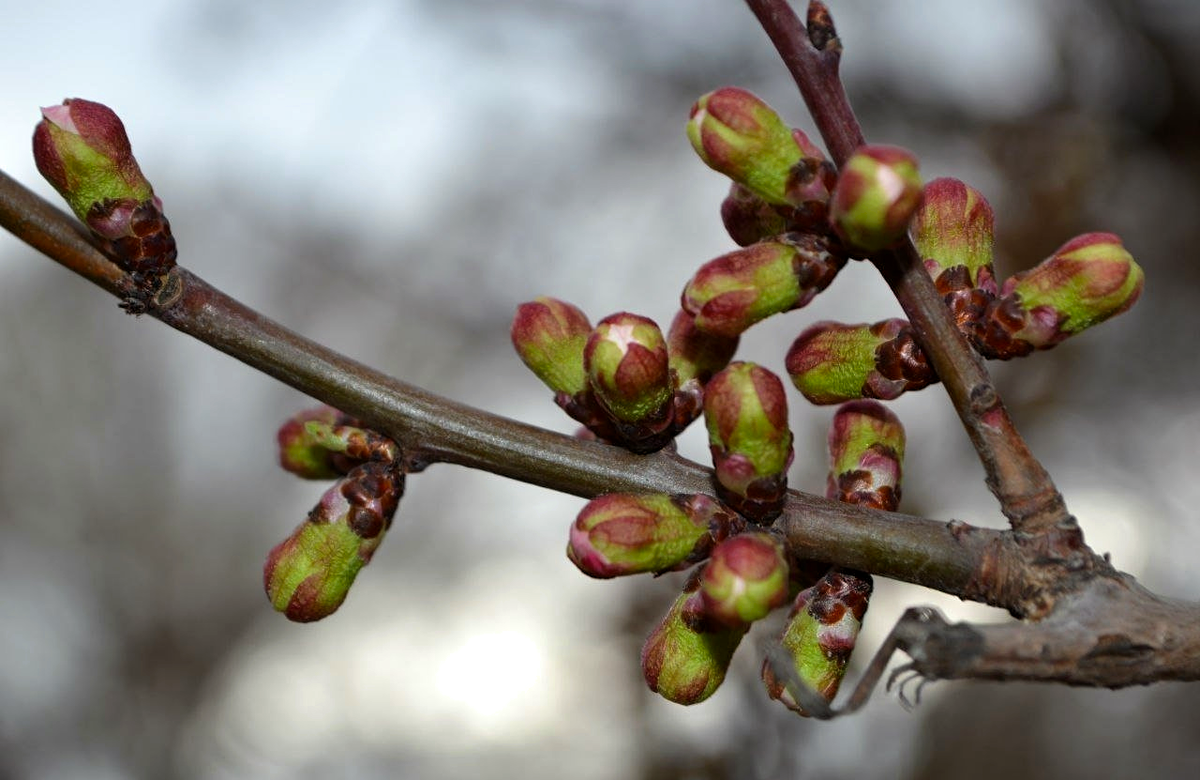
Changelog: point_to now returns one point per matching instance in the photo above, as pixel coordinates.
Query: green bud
(694, 356)
(81, 148)
(549, 335)
(628, 368)
(877, 193)
(736, 290)
(954, 228)
(682, 664)
(821, 632)
(300, 452)
(831, 362)
(866, 453)
(745, 410)
(737, 134)
(620, 533)
(308, 575)
(745, 578)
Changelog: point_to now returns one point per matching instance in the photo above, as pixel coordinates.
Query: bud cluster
(308, 574)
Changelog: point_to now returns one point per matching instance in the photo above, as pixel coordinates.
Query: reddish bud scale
(308, 575)
(620, 534)
(831, 362)
(745, 411)
(736, 290)
(681, 664)
(820, 635)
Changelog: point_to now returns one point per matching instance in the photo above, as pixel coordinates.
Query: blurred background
(392, 178)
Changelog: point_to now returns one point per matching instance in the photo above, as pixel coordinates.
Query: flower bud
(308, 575)
(549, 335)
(745, 409)
(878, 190)
(684, 665)
(737, 134)
(866, 452)
(621, 533)
(748, 218)
(1087, 280)
(745, 578)
(954, 227)
(831, 362)
(734, 291)
(627, 365)
(81, 148)
(822, 629)
(694, 356)
(300, 452)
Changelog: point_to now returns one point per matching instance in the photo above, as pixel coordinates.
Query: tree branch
(1024, 489)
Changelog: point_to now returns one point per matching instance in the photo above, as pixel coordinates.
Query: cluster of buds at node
(745, 411)
(620, 533)
(866, 454)
(877, 193)
(687, 654)
(625, 381)
(81, 148)
(308, 574)
(831, 362)
(736, 290)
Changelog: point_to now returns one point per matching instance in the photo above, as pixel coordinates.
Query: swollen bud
(734, 291)
(694, 356)
(1087, 280)
(821, 632)
(308, 575)
(549, 335)
(300, 452)
(81, 148)
(745, 410)
(739, 135)
(866, 453)
(831, 362)
(682, 664)
(745, 578)
(955, 227)
(878, 191)
(622, 533)
(627, 366)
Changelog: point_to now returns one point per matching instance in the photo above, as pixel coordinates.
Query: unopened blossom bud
(694, 356)
(308, 575)
(549, 335)
(955, 227)
(622, 533)
(736, 290)
(745, 578)
(628, 368)
(831, 362)
(684, 665)
(81, 148)
(878, 190)
(300, 452)
(866, 454)
(745, 410)
(748, 218)
(737, 134)
(1087, 280)
(821, 632)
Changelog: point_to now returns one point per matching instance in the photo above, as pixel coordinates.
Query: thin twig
(1024, 489)
(437, 429)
